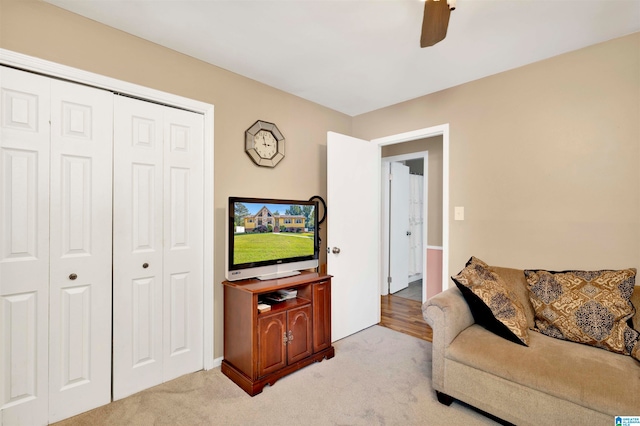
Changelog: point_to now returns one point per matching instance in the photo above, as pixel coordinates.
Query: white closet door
(80, 281)
(138, 246)
(158, 245)
(183, 249)
(24, 249)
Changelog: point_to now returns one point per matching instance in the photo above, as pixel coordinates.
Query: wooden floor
(405, 316)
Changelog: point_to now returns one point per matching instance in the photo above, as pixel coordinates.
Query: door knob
(145, 265)
(73, 277)
(335, 250)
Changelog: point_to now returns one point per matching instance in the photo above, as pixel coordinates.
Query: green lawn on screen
(269, 246)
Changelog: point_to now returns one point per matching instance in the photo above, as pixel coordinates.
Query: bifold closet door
(24, 249)
(55, 261)
(80, 249)
(183, 242)
(158, 246)
(137, 247)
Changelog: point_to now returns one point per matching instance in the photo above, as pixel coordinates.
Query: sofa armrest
(448, 314)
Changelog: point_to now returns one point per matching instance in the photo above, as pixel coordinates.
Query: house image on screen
(274, 222)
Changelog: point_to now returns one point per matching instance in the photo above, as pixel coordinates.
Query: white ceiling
(356, 56)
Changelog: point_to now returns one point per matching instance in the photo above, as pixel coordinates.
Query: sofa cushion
(590, 307)
(516, 281)
(492, 303)
(601, 380)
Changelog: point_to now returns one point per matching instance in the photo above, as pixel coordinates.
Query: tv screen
(270, 238)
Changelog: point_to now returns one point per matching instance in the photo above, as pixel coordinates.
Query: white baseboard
(217, 362)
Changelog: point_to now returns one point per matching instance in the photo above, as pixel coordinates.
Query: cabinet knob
(284, 338)
(73, 277)
(290, 335)
(145, 265)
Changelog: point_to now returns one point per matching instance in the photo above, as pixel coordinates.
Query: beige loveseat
(550, 382)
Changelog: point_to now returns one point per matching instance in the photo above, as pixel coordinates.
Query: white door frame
(29, 63)
(424, 155)
(440, 130)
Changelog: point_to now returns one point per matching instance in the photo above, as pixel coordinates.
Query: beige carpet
(378, 377)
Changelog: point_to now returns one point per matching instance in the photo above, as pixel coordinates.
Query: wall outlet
(459, 213)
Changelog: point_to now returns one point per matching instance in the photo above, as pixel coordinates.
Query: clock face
(264, 144)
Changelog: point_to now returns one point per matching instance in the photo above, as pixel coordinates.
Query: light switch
(459, 213)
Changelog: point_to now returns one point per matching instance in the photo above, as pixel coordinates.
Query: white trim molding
(52, 69)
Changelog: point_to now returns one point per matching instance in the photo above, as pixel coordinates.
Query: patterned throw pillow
(590, 307)
(492, 303)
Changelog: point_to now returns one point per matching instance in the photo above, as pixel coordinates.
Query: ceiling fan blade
(434, 22)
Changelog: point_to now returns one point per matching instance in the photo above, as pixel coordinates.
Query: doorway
(412, 212)
(404, 192)
(404, 315)
(353, 250)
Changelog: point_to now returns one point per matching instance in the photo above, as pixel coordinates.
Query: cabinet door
(321, 316)
(299, 334)
(272, 343)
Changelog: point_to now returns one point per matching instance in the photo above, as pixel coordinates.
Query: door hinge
(389, 280)
(390, 176)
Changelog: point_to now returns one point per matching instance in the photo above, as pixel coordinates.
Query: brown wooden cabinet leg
(443, 398)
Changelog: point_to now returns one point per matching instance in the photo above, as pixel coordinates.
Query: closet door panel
(183, 251)
(80, 282)
(24, 246)
(138, 246)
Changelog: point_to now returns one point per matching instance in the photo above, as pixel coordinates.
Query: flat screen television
(270, 238)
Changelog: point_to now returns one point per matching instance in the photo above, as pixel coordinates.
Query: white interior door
(158, 245)
(183, 247)
(385, 191)
(353, 233)
(137, 246)
(80, 244)
(24, 249)
(399, 227)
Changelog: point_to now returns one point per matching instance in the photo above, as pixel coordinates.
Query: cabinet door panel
(299, 334)
(272, 348)
(321, 316)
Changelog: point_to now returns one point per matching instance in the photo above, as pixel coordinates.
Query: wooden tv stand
(260, 348)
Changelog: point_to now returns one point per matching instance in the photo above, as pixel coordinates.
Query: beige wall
(434, 178)
(38, 29)
(544, 158)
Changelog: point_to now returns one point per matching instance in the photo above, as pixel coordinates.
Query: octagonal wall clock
(264, 143)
